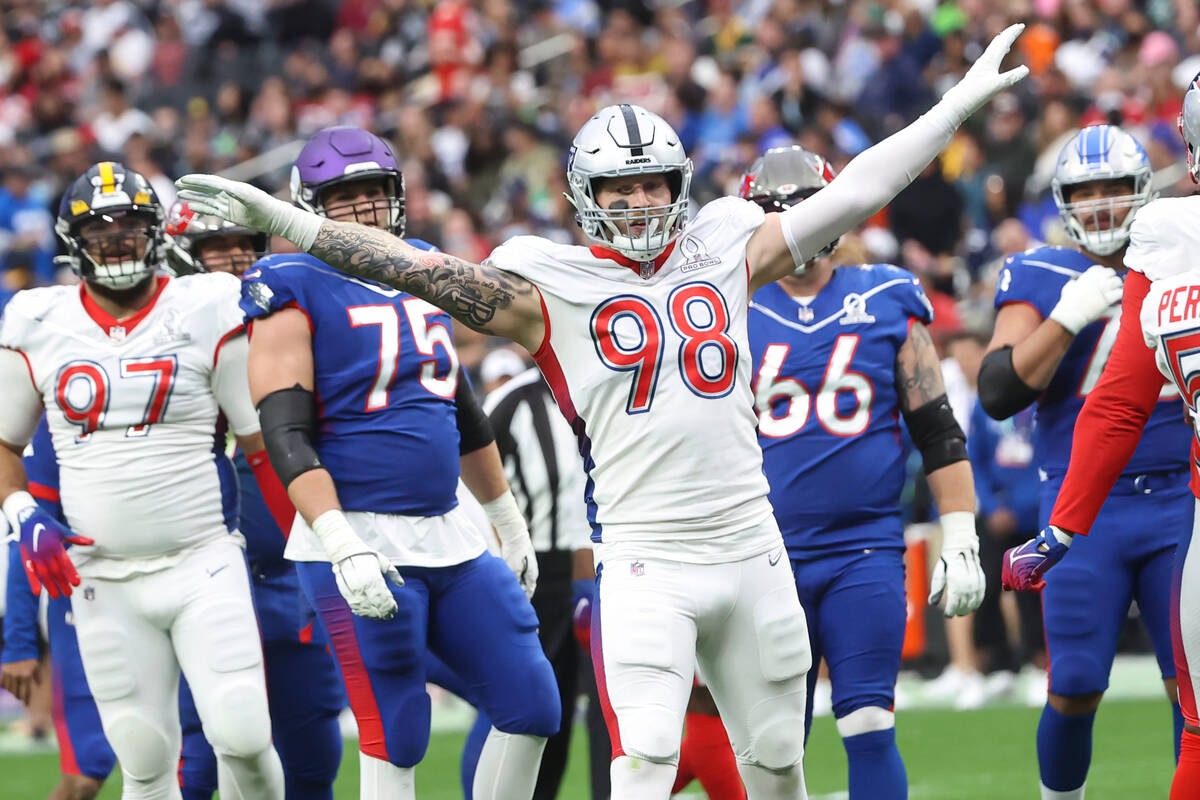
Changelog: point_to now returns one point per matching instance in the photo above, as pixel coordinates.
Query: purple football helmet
(342, 154)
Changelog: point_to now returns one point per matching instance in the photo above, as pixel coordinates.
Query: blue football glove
(43, 552)
(1024, 566)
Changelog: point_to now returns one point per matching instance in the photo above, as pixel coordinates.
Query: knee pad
(240, 725)
(110, 672)
(651, 735)
(533, 708)
(143, 750)
(782, 632)
(777, 736)
(1076, 673)
(865, 720)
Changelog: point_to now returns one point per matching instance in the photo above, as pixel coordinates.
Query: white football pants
(136, 634)
(742, 623)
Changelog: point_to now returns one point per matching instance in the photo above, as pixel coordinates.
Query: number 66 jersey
(649, 362)
(134, 411)
(825, 391)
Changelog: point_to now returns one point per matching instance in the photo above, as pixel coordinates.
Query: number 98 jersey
(649, 362)
(133, 407)
(828, 411)
(1036, 278)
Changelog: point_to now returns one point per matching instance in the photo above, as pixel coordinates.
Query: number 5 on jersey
(629, 337)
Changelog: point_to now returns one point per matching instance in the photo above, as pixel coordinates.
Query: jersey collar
(638, 267)
(120, 328)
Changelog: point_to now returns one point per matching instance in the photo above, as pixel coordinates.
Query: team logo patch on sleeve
(261, 294)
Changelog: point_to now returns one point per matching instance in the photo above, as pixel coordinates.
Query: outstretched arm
(483, 298)
(875, 176)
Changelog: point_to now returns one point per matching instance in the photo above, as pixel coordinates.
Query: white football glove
(958, 575)
(983, 80)
(1086, 299)
(515, 546)
(250, 207)
(358, 570)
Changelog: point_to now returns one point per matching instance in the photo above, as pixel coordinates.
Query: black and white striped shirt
(541, 461)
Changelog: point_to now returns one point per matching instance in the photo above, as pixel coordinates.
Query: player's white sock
(639, 779)
(383, 780)
(508, 766)
(764, 784)
(250, 777)
(1074, 794)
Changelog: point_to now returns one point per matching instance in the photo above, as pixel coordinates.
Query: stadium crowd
(481, 99)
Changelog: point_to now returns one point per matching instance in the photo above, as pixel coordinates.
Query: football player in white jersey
(137, 374)
(643, 338)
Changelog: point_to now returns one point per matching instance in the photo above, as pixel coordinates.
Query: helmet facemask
(116, 250)
(1084, 220)
(389, 207)
(613, 226)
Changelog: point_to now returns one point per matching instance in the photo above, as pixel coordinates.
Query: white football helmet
(1101, 153)
(629, 140)
(1189, 126)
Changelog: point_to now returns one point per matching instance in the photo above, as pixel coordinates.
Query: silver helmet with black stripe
(627, 140)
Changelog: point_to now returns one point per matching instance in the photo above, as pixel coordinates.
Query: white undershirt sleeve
(867, 184)
(22, 407)
(231, 386)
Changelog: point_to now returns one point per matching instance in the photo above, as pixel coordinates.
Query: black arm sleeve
(288, 418)
(1002, 393)
(474, 430)
(937, 434)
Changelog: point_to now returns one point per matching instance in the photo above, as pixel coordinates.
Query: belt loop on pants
(1150, 482)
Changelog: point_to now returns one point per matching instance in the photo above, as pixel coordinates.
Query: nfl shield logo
(637, 568)
(89, 593)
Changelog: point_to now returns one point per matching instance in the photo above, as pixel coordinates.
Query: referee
(544, 468)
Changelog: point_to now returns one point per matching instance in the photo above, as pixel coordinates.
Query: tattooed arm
(920, 387)
(483, 298)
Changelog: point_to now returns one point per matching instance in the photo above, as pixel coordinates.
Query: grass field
(981, 755)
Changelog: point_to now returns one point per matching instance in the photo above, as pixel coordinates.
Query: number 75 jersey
(134, 412)
(649, 362)
(1036, 278)
(828, 409)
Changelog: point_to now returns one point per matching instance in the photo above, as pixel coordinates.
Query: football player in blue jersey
(1057, 322)
(305, 692)
(369, 422)
(839, 356)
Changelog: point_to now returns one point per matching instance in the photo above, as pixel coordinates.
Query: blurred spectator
(26, 230)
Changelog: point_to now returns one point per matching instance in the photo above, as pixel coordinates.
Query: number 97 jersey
(133, 408)
(828, 410)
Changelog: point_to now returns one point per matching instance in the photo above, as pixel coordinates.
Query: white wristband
(337, 536)
(958, 530)
(299, 227)
(506, 517)
(14, 507)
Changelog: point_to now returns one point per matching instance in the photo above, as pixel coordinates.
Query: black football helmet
(185, 230)
(131, 248)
